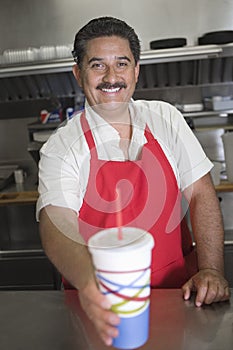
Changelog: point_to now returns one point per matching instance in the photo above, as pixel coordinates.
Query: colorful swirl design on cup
(128, 299)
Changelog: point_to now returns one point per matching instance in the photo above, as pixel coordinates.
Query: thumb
(187, 289)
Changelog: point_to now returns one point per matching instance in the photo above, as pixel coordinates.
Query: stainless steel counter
(48, 320)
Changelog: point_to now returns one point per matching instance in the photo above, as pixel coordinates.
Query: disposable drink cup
(123, 272)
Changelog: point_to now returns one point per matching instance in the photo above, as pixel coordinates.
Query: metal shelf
(213, 127)
(185, 53)
(147, 57)
(31, 86)
(45, 67)
(204, 114)
(219, 120)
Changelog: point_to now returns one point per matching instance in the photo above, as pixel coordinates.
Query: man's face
(108, 74)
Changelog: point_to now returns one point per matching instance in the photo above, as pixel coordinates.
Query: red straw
(119, 214)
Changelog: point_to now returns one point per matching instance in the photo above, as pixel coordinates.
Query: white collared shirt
(65, 158)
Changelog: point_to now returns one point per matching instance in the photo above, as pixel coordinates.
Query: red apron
(150, 199)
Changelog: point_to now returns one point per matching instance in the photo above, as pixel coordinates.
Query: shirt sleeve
(59, 183)
(190, 157)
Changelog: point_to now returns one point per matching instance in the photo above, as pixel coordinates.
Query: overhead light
(180, 53)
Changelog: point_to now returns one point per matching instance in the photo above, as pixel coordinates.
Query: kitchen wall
(27, 23)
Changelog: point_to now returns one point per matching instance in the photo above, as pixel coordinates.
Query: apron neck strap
(148, 134)
(89, 137)
(87, 133)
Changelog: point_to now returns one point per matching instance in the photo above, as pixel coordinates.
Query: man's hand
(97, 308)
(210, 286)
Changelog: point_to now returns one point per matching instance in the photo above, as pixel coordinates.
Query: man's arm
(68, 252)
(207, 226)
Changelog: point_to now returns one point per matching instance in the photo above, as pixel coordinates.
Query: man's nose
(110, 75)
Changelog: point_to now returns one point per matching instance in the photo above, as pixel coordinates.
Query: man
(147, 151)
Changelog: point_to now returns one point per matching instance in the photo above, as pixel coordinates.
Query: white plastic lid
(132, 239)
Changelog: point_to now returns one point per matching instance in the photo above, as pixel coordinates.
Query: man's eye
(98, 66)
(122, 64)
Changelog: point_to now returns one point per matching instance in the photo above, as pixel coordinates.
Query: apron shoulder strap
(89, 137)
(88, 134)
(148, 134)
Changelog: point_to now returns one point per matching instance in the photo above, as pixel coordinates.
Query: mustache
(111, 86)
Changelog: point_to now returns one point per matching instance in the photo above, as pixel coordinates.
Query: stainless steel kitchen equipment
(7, 175)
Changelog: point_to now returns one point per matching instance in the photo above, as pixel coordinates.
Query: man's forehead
(115, 46)
(103, 41)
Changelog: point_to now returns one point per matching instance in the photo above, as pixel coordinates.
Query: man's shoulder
(64, 135)
(157, 109)
(154, 105)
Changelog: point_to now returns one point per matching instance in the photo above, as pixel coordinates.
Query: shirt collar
(104, 133)
(99, 126)
(96, 121)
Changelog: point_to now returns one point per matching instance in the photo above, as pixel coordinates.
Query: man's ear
(137, 70)
(77, 74)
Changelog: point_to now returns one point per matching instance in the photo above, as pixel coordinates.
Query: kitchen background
(34, 24)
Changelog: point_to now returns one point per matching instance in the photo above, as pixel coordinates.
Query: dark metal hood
(37, 82)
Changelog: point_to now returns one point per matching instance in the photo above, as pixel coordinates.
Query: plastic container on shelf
(20, 55)
(55, 116)
(168, 43)
(69, 113)
(216, 37)
(217, 103)
(47, 53)
(63, 51)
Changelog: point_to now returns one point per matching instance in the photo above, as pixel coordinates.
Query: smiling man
(106, 75)
(146, 150)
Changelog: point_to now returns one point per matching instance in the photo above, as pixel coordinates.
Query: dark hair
(104, 26)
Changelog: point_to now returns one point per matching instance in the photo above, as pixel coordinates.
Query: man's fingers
(201, 295)
(210, 286)
(216, 294)
(105, 325)
(187, 289)
(97, 308)
(227, 293)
